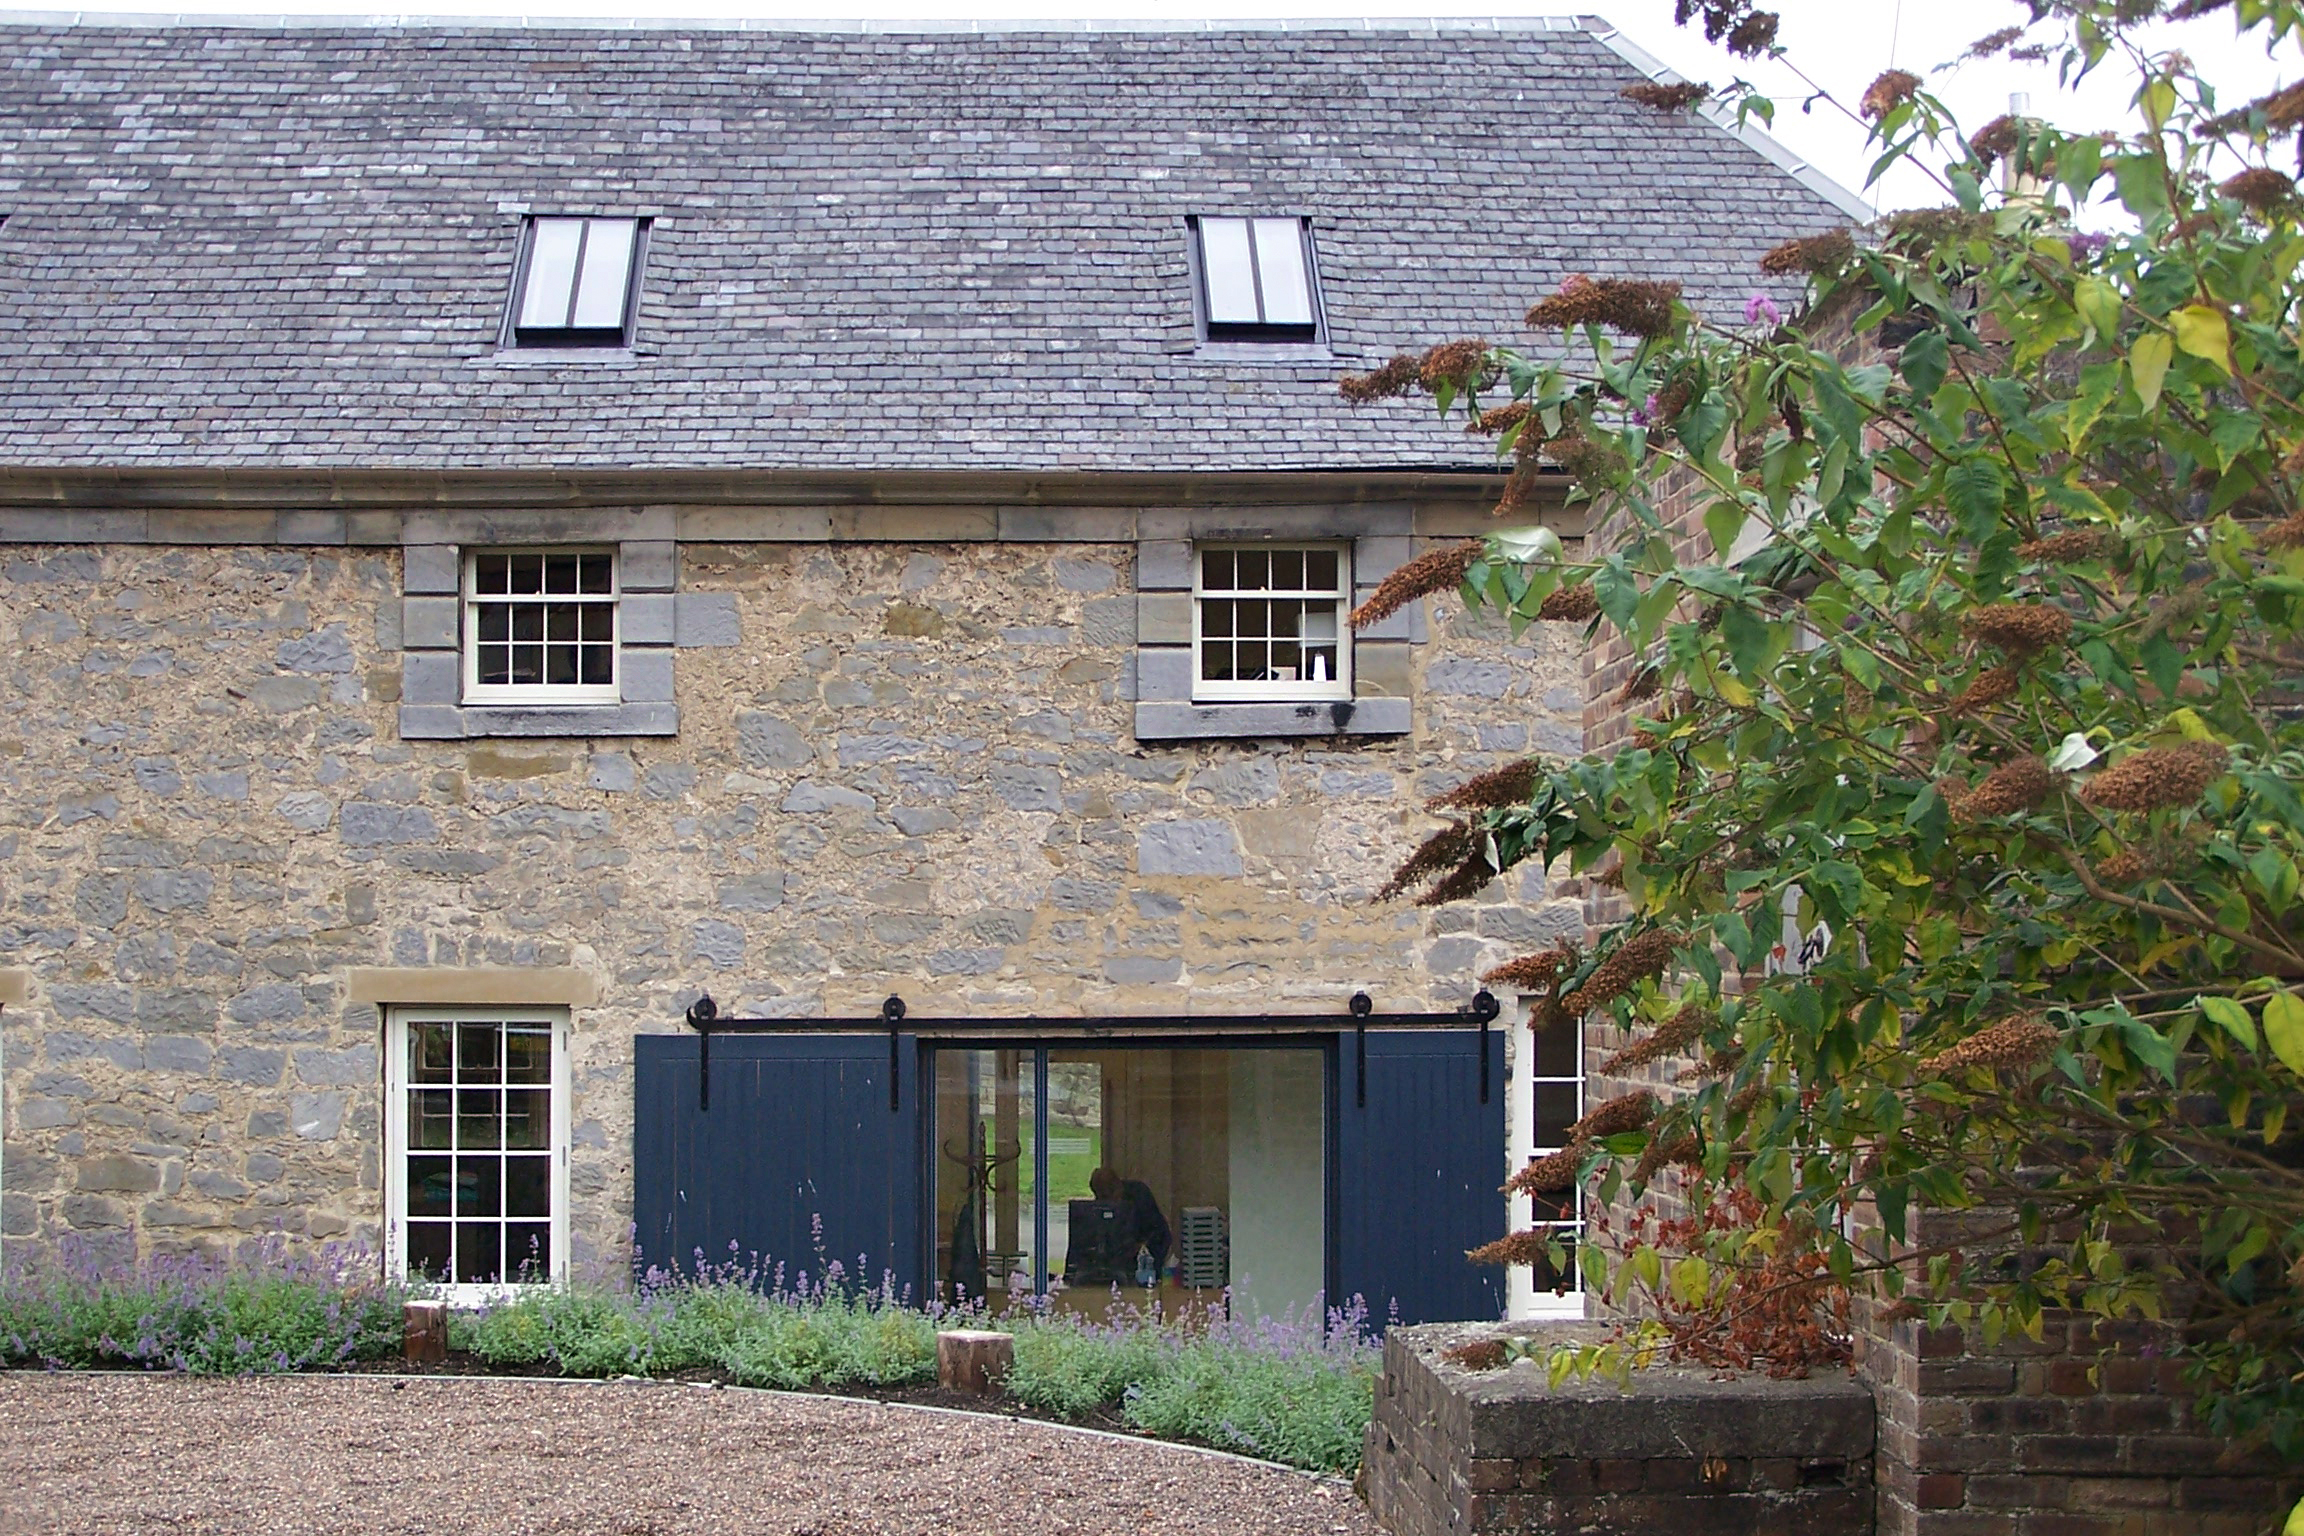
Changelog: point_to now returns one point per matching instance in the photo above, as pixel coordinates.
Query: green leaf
(2152, 1048)
(1753, 642)
(2163, 663)
(2148, 364)
(2233, 1015)
(2202, 332)
(2143, 184)
(1976, 489)
(1725, 521)
(2099, 305)
(2099, 382)
(1925, 359)
(2284, 1029)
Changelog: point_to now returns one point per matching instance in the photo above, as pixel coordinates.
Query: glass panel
(1216, 617)
(527, 573)
(599, 622)
(495, 622)
(528, 664)
(1252, 620)
(1553, 1281)
(1216, 661)
(607, 265)
(1280, 263)
(1225, 267)
(491, 573)
(431, 1119)
(479, 1186)
(597, 573)
(1559, 1051)
(428, 1248)
(527, 622)
(528, 1247)
(431, 1186)
(560, 573)
(477, 1118)
(1287, 570)
(1320, 571)
(528, 1118)
(528, 1055)
(479, 1252)
(528, 1186)
(560, 665)
(431, 1053)
(1255, 570)
(1555, 1112)
(599, 665)
(477, 1050)
(986, 1195)
(494, 664)
(1216, 570)
(551, 273)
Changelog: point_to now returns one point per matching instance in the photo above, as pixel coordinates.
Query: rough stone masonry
(901, 767)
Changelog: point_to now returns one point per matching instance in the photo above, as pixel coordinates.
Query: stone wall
(901, 767)
(1674, 1452)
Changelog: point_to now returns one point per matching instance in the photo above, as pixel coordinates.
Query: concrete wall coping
(15, 986)
(504, 986)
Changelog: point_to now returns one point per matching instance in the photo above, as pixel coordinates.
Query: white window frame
(396, 1087)
(477, 692)
(1283, 690)
(1522, 1299)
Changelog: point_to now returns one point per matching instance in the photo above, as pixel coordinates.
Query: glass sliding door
(1143, 1175)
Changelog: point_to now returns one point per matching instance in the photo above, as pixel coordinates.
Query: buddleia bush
(1983, 669)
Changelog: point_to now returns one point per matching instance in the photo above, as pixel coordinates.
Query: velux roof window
(1257, 280)
(578, 282)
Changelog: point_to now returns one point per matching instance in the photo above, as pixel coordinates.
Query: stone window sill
(468, 722)
(1328, 717)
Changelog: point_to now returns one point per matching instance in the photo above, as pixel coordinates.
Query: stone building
(506, 533)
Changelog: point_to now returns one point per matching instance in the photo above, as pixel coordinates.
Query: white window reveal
(1256, 280)
(476, 1137)
(1268, 622)
(578, 282)
(1547, 1098)
(540, 627)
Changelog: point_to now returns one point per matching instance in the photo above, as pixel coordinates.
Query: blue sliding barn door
(800, 1131)
(1419, 1169)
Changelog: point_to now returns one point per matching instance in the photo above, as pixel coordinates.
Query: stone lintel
(1168, 721)
(496, 986)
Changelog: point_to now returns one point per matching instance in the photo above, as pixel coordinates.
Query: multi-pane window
(477, 1136)
(1269, 622)
(1554, 1072)
(1256, 280)
(540, 627)
(577, 283)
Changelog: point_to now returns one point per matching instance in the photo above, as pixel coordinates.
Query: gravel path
(321, 1454)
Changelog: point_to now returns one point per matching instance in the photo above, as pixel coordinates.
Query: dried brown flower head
(2058, 548)
(1677, 97)
(1636, 308)
(1444, 849)
(2261, 188)
(1461, 365)
(2200, 223)
(1396, 377)
(1570, 605)
(1920, 229)
(1989, 688)
(1495, 421)
(2011, 1043)
(2283, 110)
(1890, 91)
(2127, 867)
(1818, 255)
(1645, 683)
(1626, 1112)
(1683, 1151)
(1521, 485)
(1754, 35)
(1549, 1174)
(2158, 777)
(1594, 466)
(1669, 1038)
(1436, 570)
(1478, 1355)
(2013, 786)
(1996, 139)
(1672, 399)
(1511, 784)
(2288, 533)
(2020, 629)
(1530, 971)
(1520, 1248)
(1639, 957)
(1467, 880)
(1992, 42)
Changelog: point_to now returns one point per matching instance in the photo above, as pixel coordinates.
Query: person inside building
(1142, 1225)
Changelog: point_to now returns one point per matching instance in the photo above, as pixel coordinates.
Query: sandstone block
(1188, 848)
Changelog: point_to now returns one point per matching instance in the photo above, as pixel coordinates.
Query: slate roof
(291, 245)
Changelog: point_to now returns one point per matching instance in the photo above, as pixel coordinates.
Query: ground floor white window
(476, 1140)
(1547, 1098)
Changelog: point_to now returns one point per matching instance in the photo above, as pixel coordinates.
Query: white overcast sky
(1843, 44)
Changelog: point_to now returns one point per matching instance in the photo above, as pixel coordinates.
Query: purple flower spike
(1759, 308)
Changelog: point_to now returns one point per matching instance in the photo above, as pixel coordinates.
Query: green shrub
(1307, 1410)
(1070, 1368)
(829, 1343)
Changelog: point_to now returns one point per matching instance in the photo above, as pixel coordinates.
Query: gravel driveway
(443, 1457)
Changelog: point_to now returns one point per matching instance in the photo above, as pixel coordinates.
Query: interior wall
(1278, 1212)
